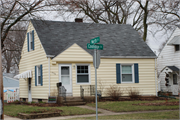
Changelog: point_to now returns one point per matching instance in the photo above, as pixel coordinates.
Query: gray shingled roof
(173, 68)
(118, 40)
(10, 82)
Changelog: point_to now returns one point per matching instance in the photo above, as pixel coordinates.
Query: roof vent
(78, 20)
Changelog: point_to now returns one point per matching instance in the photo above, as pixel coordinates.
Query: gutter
(154, 57)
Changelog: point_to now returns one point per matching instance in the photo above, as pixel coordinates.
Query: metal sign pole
(95, 53)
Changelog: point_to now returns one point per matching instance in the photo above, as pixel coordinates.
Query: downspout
(49, 75)
(156, 76)
(49, 57)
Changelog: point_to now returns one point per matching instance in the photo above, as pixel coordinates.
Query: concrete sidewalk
(10, 118)
(103, 113)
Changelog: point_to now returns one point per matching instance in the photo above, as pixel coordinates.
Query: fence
(12, 96)
(88, 90)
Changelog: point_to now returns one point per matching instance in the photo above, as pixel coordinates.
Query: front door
(175, 85)
(29, 90)
(65, 78)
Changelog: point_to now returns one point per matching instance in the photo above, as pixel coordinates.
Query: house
(56, 51)
(169, 64)
(9, 84)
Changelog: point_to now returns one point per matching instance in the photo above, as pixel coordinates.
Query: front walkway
(103, 113)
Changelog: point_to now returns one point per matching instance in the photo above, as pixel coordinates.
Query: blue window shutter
(41, 75)
(33, 39)
(136, 73)
(35, 76)
(118, 73)
(28, 42)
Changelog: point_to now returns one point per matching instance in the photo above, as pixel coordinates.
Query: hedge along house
(56, 51)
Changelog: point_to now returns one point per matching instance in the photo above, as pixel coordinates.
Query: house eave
(145, 57)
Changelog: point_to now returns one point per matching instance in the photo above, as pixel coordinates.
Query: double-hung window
(175, 79)
(30, 40)
(83, 74)
(38, 75)
(127, 73)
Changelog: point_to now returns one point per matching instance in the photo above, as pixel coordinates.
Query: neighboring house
(169, 63)
(56, 51)
(10, 83)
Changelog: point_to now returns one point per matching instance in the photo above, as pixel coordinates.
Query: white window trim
(133, 81)
(89, 72)
(37, 78)
(30, 39)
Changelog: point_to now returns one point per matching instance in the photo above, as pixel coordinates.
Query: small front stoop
(73, 101)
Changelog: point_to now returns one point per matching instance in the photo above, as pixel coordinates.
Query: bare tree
(115, 12)
(169, 11)
(13, 20)
(15, 11)
(13, 46)
(139, 13)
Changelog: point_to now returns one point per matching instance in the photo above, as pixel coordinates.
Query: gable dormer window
(30, 41)
(176, 47)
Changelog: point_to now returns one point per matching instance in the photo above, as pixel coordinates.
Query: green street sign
(95, 40)
(97, 46)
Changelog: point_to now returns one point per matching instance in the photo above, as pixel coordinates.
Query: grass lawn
(126, 106)
(154, 115)
(13, 110)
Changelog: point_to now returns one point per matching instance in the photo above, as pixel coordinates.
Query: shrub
(33, 102)
(133, 92)
(115, 92)
(41, 102)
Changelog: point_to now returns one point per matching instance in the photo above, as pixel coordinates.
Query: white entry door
(65, 77)
(29, 90)
(175, 85)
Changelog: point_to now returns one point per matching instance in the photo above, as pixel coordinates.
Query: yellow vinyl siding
(146, 83)
(28, 62)
(106, 72)
(72, 55)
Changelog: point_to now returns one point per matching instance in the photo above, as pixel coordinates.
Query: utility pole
(1, 85)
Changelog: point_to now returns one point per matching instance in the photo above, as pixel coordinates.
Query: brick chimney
(78, 20)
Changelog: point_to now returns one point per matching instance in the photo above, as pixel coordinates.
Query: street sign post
(96, 46)
(95, 40)
(96, 61)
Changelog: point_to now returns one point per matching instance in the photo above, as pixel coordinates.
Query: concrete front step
(75, 100)
(74, 103)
